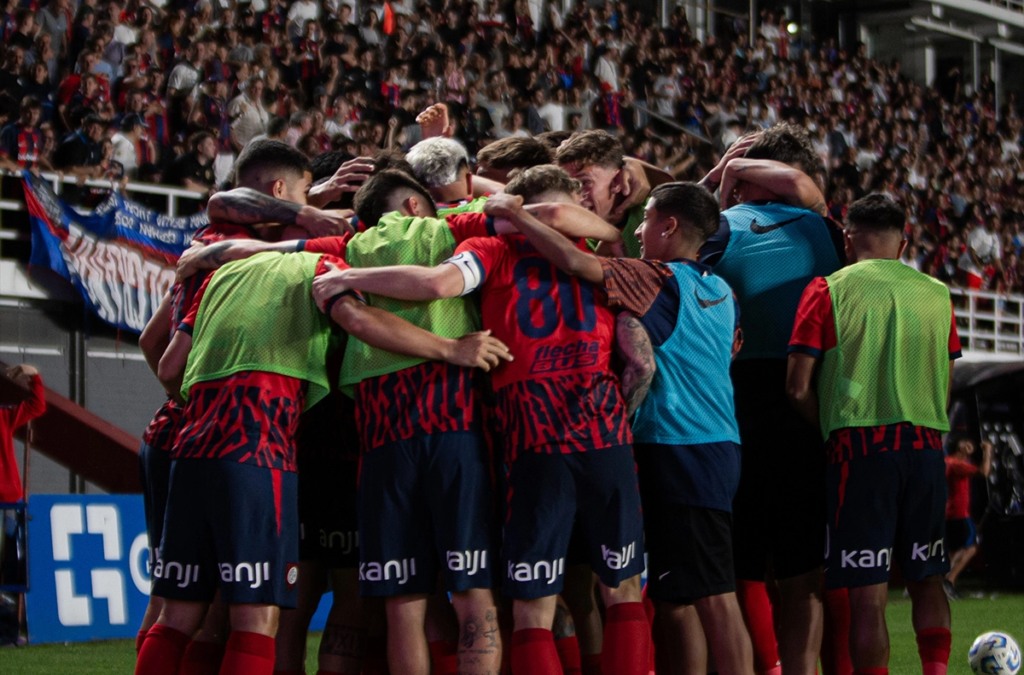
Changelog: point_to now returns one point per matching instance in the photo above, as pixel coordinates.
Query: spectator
(53, 21)
(961, 533)
(20, 143)
(194, 170)
(982, 250)
(249, 117)
(125, 144)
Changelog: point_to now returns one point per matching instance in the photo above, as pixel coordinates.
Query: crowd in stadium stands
(171, 95)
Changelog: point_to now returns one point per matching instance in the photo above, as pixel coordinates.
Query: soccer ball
(994, 654)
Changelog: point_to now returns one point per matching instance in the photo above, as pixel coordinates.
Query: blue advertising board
(89, 574)
(88, 567)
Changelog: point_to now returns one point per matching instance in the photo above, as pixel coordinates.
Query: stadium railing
(991, 325)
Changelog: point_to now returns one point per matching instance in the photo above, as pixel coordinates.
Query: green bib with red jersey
(891, 360)
(401, 240)
(472, 206)
(259, 314)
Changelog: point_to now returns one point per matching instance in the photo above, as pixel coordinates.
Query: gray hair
(436, 161)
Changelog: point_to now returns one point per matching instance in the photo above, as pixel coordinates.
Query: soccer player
(562, 415)
(231, 521)
(496, 160)
(767, 251)
(404, 215)
(961, 534)
(870, 361)
(678, 331)
(442, 166)
(614, 187)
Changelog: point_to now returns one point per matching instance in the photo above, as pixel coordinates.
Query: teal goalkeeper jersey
(772, 252)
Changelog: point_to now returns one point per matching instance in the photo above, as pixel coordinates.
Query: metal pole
(997, 79)
(976, 65)
(76, 484)
(752, 29)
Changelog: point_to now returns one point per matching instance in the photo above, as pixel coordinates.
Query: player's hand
(434, 122)
(190, 262)
(328, 285)
(478, 350)
(635, 188)
(349, 177)
(324, 223)
(503, 205)
(737, 149)
(21, 374)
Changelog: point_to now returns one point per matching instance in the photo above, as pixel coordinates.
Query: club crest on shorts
(291, 575)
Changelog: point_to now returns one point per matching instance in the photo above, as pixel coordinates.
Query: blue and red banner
(121, 257)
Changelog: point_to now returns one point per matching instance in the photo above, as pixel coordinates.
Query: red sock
(627, 640)
(202, 658)
(375, 662)
(248, 654)
(757, 612)
(933, 646)
(569, 655)
(590, 664)
(649, 611)
(835, 643)
(534, 653)
(444, 655)
(139, 639)
(161, 651)
(871, 671)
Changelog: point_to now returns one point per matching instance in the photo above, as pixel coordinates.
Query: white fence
(990, 324)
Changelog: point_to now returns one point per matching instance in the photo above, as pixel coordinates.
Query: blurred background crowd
(170, 91)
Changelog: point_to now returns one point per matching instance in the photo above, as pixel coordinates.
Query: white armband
(472, 274)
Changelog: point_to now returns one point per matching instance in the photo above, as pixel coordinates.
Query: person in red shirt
(12, 569)
(12, 417)
(961, 535)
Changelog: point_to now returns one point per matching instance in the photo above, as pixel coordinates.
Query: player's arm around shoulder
(387, 331)
(554, 246)
(402, 282)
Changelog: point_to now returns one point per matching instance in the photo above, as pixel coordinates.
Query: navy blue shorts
(154, 474)
(328, 512)
(545, 493)
(230, 526)
(426, 506)
(882, 508)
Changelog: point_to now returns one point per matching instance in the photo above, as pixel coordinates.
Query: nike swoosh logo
(765, 229)
(704, 304)
(662, 576)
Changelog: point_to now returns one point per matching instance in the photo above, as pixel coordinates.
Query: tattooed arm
(633, 344)
(791, 185)
(217, 255)
(245, 206)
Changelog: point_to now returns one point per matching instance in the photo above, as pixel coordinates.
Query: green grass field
(971, 617)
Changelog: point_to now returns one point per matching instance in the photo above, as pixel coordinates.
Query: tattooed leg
(343, 645)
(479, 638)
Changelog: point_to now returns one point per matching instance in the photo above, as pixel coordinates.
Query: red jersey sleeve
(955, 350)
(958, 468)
(189, 322)
(12, 417)
(633, 285)
(468, 225)
(321, 265)
(333, 246)
(814, 330)
(483, 253)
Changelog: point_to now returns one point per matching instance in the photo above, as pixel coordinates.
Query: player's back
(773, 252)
(559, 394)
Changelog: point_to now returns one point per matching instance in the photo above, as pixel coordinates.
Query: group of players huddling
(479, 412)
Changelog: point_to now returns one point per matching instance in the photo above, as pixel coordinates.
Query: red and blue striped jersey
(559, 394)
